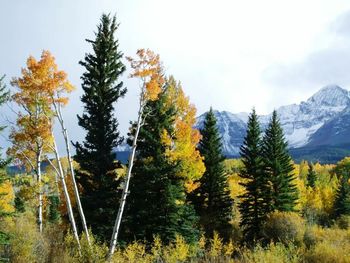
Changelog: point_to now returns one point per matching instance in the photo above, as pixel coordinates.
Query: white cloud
(222, 51)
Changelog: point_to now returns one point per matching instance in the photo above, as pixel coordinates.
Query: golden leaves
(190, 186)
(149, 69)
(181, 146)
(6, 197)
(42, 81)
(40, 86)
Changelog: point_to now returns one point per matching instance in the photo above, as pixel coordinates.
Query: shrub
(26, 243)
(95, 253)
(316, 234)
(284, 227)
(329, 252)
(178, 251)
(273, 253)
(343, 222)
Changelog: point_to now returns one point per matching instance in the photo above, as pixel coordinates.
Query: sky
(231, 55)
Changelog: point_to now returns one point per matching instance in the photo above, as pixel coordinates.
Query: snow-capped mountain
(334, 132)
(312, 122)
(232, 128)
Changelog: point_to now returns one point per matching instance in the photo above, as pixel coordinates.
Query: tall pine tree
(253, 206)
(311, 176)
(212, 199)
(342, 198)
(279, 168)
(95, 155)
(157, 202)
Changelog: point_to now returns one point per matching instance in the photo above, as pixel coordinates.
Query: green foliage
(157, 202)
(284, 227)
(212, 199)
(54, 214)
(19, 204)
(343, 222)
(311, 176)
(279, 168)
(342, 167)
(95, 155)
(253, 207)
(342, 198)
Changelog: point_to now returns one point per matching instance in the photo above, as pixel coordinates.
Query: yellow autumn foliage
(149, 69)
(40, 86)
(181, 146)
(6, 197)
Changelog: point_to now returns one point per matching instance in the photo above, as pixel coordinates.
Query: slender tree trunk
(126, 187)
(40, 208)
(57, 186)
(66, 194)
(70, 161)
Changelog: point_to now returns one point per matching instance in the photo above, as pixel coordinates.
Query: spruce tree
(253, 206)
(157, 204)
(53, 213)
(278, 167)
(212, 199)
(311, 176)
(19, 204)
(95, 155)
(342, 198)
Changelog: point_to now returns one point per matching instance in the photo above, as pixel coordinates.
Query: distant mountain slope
(323, 154)
(232, 128)
(334, 132)
(322, 120)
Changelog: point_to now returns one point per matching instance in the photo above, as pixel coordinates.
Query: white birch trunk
(118, 220)
(70, 161)
(40, 208)
(66, 194)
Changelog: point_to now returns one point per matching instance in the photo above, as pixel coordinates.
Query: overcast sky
(231, 55)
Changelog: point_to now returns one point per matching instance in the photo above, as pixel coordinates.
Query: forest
(178, 199)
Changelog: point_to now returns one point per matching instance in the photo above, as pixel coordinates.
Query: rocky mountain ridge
(323, 119)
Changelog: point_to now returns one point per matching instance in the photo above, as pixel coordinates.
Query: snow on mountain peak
(331, 95)
(299, 121)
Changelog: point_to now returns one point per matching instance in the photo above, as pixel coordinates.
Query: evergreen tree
(253, 206)
(54, 214)
(311, 176)
(212, 199)
(342, 198)
(278, 167)
(19, 204)
(95, 155)
(157, 202)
